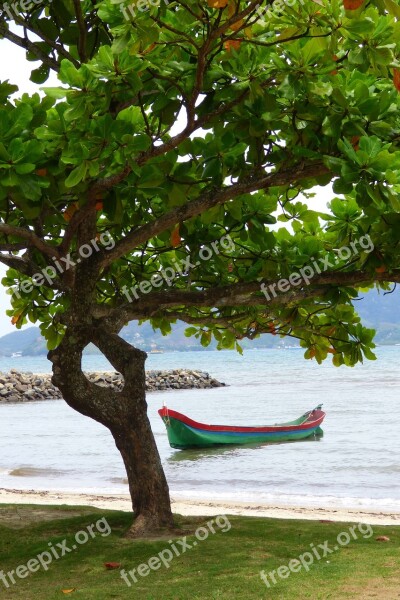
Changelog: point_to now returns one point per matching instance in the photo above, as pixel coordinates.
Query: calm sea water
(47, 445)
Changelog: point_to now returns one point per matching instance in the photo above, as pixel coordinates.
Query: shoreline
(195, 507)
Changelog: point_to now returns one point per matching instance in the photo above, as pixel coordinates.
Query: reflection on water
(194, 454)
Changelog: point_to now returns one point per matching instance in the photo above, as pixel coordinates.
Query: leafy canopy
(188, 121)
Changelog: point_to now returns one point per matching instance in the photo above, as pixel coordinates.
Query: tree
(146, 185)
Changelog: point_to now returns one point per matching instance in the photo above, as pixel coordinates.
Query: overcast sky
(15, 68)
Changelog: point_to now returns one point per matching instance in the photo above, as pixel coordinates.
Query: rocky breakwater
(17, 386)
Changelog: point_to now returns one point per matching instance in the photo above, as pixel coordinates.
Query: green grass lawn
(224, 566)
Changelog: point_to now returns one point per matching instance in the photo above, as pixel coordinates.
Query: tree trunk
(124, 414)
(147, 484)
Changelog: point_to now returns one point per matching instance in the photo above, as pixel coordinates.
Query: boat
(183, 432)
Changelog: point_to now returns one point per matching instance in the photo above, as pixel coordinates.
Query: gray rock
(13, 398)
(21, 388)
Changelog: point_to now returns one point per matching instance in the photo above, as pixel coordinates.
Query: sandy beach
(203, 507)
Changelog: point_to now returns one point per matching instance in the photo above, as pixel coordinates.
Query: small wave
(297, 500)
(119, 480)
(371, 469)
(35, 472)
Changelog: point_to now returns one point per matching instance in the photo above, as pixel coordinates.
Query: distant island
(378, 311)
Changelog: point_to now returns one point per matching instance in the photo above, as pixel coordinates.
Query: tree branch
(12, 247)
(235, 295)
(206, 201)
(32, 239)
(58, 47)
(29, 46)
(82, 31)
(216, 33)
(20, 264)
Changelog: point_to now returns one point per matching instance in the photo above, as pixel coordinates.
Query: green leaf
(70, 75)
(76, 175)
(190, 331)
(57, 93)
(150, 177)
(40, 75)
(212, 168)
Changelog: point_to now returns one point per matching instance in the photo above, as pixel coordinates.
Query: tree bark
(123, 413)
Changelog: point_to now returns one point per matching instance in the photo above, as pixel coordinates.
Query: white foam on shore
(295, 500)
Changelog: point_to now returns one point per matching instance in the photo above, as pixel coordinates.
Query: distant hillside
(378, 311)
(381, 311)
(30, 343)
